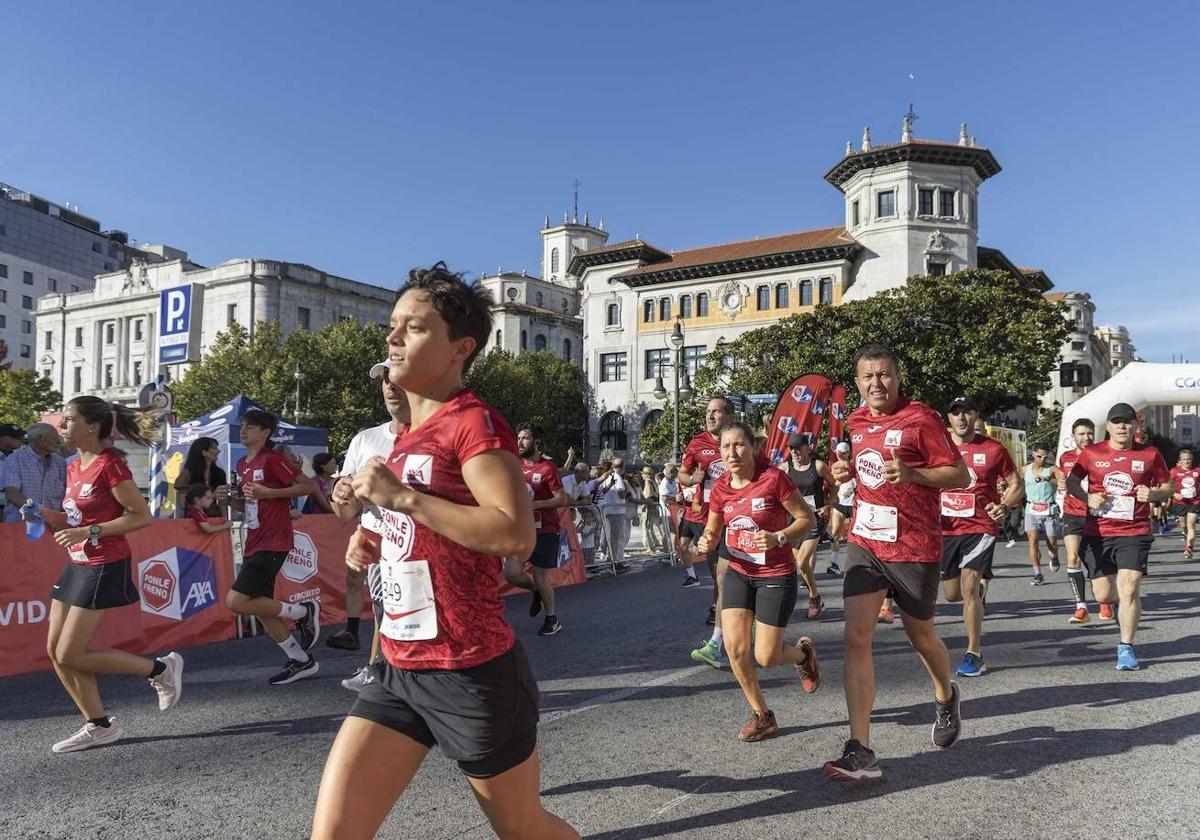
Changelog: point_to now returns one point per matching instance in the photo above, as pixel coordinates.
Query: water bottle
(35, 525)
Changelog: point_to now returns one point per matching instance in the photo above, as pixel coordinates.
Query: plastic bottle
(35, 525)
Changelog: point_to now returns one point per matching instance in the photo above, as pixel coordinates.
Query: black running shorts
(1181, 510)
(771, 599)
(914, 586)
(257, 576)
(100, 587)
(1072, 526)
(1103, 556)
(689, 530)
(485, 718)
(967, 551)
(545, 552)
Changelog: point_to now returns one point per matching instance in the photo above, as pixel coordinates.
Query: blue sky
(365, 138)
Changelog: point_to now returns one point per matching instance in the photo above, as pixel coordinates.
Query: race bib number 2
(409, 608)
(875, 522)
(1116, 507)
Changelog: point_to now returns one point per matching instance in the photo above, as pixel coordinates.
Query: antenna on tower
(576, 185)
(911, 116)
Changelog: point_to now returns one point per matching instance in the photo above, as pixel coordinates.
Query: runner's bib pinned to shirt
(875, 522)
(1116, 507)
(958, 505)
(409, 607)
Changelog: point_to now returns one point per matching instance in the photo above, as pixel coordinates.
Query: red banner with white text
(801, 408)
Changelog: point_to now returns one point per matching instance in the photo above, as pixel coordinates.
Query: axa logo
(802, 394)
(979, 459)
(418, 471)
(787, 425)
(757, 505)
(177, 583)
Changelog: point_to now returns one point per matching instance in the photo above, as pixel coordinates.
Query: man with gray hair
(35, 471)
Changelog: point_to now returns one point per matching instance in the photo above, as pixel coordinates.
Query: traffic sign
(763, 399)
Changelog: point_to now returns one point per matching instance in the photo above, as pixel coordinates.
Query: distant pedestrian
(35, 471)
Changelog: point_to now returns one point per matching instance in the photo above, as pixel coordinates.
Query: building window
(885, 204)
(3, 271)
(613, 316)
(613, 367)
(946, 197)
(693, 357)
(96, 248)
(498, 342)
(685, 306)
(554, 261)
(26, 327)
(806, 293)
(27, 301)
(924, 202)
(702, 305)
(764, 297)
(26, 351)
(524, 340)
(49, 340)
(27, 278)
(657, 362)
(52, 284)
(108, 266)
(664, 309)
(854, 213)
(137, 373)
(108, 376)
(567, 349)
(79, 336)
(937, 269)
(826, 290)
(3, 296)
(653, 416)
(3, 321)
(304, 317)
(77, 380)
(539, 343)
(612, 432)
(648, 311)
(139, 330)
(230, 314)
(781, 296)
(109, 333)
(1077, 346)
(540, 299)
(970, 210)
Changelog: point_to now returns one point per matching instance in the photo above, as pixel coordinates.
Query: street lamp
(296, 374)
(683, 384)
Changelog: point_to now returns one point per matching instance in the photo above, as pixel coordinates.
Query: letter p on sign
(176, 311)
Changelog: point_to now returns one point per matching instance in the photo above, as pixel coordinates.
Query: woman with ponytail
(102, 505)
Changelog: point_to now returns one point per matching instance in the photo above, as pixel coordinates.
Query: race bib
(409, 608)
(1040, 508)
(78, 555)
(251, 513)
(1188, 493)
(958, 505)
(741, 544)
(875, 522)
(1116, 507)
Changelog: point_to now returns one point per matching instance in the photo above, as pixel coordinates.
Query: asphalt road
(638, 742)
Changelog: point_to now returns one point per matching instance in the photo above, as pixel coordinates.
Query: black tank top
(809, 482)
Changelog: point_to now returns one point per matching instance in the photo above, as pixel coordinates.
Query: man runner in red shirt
(1124, 479)
(1074, 518)
(1186, 477)
(902, 457)
(970, 523)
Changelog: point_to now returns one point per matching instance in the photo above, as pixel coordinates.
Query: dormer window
(885, 204)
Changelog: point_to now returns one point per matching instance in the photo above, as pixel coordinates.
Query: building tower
(562, 242)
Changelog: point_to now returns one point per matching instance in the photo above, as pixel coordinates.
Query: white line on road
(622, 693)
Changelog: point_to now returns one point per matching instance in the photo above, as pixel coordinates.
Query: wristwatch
(781, 537)
(94, 534)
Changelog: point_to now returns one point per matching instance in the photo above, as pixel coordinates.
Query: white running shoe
(361, 679)
(90, 735)
(169, 684)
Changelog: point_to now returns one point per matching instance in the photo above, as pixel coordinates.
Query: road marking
(623, 693)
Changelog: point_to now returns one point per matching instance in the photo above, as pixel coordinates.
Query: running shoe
(1054, 562)
(972, 666)
(295, 670)
(709, 654)
(947, 724)
(1107, 613)
(1126, 659)
(834, 570)
(550, 626)
(90, 735)
(1081, 616)
(168, 684)
(535, 605)
(309, 627)
(1187, 551)
(886, 615)
(857, 764)
(361, 679)
(1038, 580)
(809, 671)
(759, 727)
(711, 618)
(1010, 543)
(689, 581)
(343, 640)
(816, 607)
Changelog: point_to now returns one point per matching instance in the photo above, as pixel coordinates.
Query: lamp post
(683, 384)
(298, 377)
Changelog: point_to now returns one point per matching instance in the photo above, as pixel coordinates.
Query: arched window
(539, 299)
(567, 349)
(524, 340)
(614, 315)
(498, 343)
(539, 343)
(648, 311)
(653, 416)
(554, 261)
(612, 432)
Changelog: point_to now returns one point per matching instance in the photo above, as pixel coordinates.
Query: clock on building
(731, 298)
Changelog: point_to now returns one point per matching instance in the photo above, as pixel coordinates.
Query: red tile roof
(805, 240)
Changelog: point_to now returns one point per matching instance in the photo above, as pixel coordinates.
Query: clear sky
(365, 138)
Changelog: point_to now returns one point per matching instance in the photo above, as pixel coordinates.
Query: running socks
(352, 625)
(1037, 569)
(159, 667)
(293, 650)
(835, 555)
(690, 571)
(293, 611)
(104, 721)
(717, 638)
(1075, 576)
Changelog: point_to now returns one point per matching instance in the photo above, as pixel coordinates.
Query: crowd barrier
(182, 575)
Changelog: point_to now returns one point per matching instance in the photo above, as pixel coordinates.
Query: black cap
(799, 439)
(9, 430)
(965, 402)
(1122, 411)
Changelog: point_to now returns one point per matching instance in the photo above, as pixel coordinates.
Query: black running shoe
(309, 627)
(834, 570)
(535, 606)
(857, 764)
(550, 626)
(689, 581)
(295, 670)
(711, 619)
(946, 723)
(1038, 580)
(344, 640)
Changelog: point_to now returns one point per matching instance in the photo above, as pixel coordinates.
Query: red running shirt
(196, 515)
(898, 523)
(1118, 474)
(542, 482)
(965, 511)
(268, 521)
(89, 501)
(1069, 504)
(745, 511)
(441, 601)
(1187, 485)
(704, 453)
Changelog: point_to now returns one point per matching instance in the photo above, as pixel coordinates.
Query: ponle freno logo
(1118, 484)
(158, 586)
(301, 562)
(869, 464)
(177, 583)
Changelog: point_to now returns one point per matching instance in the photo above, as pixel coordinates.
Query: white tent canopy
(1140, 384)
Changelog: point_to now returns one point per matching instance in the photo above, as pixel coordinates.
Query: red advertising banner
(837, 416)
(801, 408)
(181, 573)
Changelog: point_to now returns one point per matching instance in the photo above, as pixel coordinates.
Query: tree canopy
(25, 395)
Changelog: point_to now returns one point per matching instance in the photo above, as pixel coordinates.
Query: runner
(267, 481)
(970, 524)
(1186, 477)
(839, 516)
(1073, 521)
(702, 466)
(453, 502)
(102, 504)
(760, 513)
(902, 458)
(375, 442)
(1041, 515)
(809, 476)
(546, 495)
(1124, 479)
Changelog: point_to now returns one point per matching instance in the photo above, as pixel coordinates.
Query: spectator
(612, 494)
(655, 532)
(324, 468)
(35, 471)
(200, 467)
(11, 438)
(199, 499)
(579, 485)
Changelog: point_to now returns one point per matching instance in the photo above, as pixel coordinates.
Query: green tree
(538, 388)
(24, 395)
(235, 364)
(1045, 431)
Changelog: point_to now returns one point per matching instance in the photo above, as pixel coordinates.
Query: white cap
(378, 370)
(842, 447)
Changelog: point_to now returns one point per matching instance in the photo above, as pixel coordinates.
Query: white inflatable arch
(1140, 384)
